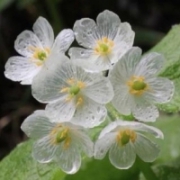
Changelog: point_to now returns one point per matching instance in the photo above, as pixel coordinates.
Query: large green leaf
(19, 165)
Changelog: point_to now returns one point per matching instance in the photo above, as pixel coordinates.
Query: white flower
(137, 87)
(124, 140)
(70, 90)
(36, 48)
(60, 142)
(104, 42)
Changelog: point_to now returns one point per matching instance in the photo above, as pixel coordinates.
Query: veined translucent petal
(26, 43)
(122, 157)
(145, 149)
(20, 68)
(162, 90)
(68, 159)
(84, 29)
(37, 125)
(150, 64)
(43, 150)
(103, 145)
(63, 41)
(44, 32)
(90, 113)
(108, 24)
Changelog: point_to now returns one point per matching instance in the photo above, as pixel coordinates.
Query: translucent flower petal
(61, 110)
(19, 68)
(44, 32)
(108, 24)
(122, 157)
(125, 67)
(37, 125)
(50, 81)
(63, 41)
(125, 35)
(108, 129)
(80, 53)
(137, 126)
(144, 111)
(95, 63)
(100, 91)
(150, 64)
(84, 29)
(68, 159)
(44, 150)
(122, 101)
(26, 43)
(83, 142)
(145, 149)
(162, 90)
(103, 145)
(89, 114)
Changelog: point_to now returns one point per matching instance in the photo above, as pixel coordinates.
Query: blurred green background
(150, 19)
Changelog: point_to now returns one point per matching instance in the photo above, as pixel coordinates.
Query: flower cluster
(78, 93)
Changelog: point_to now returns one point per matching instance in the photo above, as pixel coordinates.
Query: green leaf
(170, 48)
(170, 146)
(19, 165)
(167, 166)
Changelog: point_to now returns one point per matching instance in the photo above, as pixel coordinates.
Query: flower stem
(146, 169)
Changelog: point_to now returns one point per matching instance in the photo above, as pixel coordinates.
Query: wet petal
(61, 110)
(84, 32)
(161, 90)
(122, 157)
(63, 41)
(144, 111)
(19, 68)
(44, 32)
(103, 145)
(37, 125)
(89, 113)
(145, 149)
(50, 81)
(150, 64)
(100, 91)
(68, 159)
(26, 43)
(44, 150)
(108, 24)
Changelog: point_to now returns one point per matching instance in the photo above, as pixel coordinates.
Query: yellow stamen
(103, 46)
(137, 85)
(79, 101)
(66, 89)
(60, 134)
(125, 135)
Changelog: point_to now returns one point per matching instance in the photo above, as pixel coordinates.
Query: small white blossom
(61, 142)
(104, 41)
(36, 48)
(70, 90)
(136, 86)
(124, 140)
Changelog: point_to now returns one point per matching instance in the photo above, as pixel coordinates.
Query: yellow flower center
(60, 134)
(73, 90)
(124, 136)
(40, 55)
(104, 46)
(137, 85)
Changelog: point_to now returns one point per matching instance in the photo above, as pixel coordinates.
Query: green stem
(146, 169)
